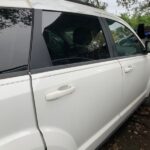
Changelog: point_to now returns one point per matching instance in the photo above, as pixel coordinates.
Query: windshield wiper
(19, 68)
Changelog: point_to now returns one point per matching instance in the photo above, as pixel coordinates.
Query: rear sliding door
(77, 87)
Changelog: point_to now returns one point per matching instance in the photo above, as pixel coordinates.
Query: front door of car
(134, 63)
(78, 91)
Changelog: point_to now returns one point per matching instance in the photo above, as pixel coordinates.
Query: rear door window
(71, 38)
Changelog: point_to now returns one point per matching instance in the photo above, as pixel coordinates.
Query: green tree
(140, 12)
(134, 20)
(139, 7)
(131, 20)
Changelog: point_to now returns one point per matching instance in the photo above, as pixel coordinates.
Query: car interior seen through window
(73, 38)
(125, 40)
(15, 27)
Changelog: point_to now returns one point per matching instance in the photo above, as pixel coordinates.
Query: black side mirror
(141, 31)
(147, 46)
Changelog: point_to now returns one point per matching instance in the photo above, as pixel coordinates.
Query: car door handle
(128, 69)
(61, 92)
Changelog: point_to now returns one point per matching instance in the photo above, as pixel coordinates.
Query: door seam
(35, 113)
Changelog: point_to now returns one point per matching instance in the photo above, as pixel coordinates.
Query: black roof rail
(83, 3)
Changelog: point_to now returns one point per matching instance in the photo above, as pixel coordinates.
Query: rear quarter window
(15, 36)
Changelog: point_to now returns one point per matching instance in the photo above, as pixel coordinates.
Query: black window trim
(116, 56)
(52, 68)
(107, 36)
(24, 72)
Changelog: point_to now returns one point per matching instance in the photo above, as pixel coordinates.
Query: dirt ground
(134, 134)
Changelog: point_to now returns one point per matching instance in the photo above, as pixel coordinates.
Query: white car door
(78, 91)
(18, 129)
(18, 126)
(135, 65)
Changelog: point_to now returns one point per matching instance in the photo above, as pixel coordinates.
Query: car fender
(57, 139)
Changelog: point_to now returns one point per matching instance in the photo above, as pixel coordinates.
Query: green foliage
(135, 19)
(140, 7)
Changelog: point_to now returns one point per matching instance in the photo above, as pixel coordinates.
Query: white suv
(69, 75)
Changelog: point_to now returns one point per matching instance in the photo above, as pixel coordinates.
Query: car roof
(61, 5)
(57, 5)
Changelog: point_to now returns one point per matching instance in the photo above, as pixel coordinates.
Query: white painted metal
(148, 83)
(136, 75)
(135, 82)
(17, 121)
(61, 92)
(86, 116)
(15, 3)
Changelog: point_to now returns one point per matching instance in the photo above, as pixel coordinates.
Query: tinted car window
(72, 38)
(125, 40)
(15, 33)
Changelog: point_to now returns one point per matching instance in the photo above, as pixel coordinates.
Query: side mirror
(147, 46)
(141, 31)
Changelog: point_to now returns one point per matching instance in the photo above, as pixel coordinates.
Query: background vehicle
(66, 82)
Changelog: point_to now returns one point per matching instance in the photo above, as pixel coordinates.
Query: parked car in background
(70, 74)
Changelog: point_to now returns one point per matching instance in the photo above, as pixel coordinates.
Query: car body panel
(134, 82)
(18, 128)
(93, 93)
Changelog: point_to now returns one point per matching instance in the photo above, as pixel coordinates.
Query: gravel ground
(134, 134)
